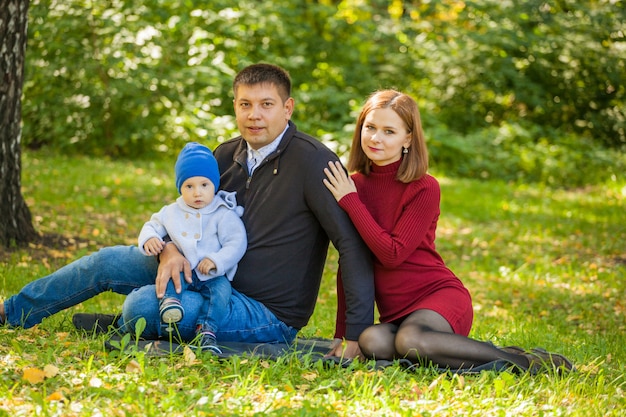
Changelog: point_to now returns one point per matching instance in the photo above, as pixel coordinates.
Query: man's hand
(347, 349)
(171, 265)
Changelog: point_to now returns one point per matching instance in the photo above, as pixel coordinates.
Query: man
(289, 215)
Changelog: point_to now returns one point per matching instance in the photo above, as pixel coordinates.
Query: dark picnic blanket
(311, 349)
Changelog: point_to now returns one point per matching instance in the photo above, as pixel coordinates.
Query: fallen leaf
(55, 396)
(309, 376)
(188, 355)
(133, 367)
(435, 382)
(34, 375)
(50, 371)
(417, 390)
(62, 335)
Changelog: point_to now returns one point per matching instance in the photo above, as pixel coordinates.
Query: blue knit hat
(196, 160)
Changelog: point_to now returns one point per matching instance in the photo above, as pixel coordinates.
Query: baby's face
(197, 192)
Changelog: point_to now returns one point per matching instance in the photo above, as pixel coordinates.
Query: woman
(425, 311)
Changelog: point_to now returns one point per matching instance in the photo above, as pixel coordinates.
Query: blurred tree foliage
(559, 64)
(139, 78)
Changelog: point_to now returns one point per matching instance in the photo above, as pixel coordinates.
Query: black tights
(425, 336)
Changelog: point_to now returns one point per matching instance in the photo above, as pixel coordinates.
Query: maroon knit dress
(398, 222)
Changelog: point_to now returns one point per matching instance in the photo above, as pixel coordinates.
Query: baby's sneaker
(171, 310)
(207, 341)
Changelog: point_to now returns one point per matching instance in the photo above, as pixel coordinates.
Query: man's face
(261, 114)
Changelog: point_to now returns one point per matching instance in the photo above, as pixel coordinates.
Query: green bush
(518, 153)
(135, 79)
(138, 79)
(554, 64)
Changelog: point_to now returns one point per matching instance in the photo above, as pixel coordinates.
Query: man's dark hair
(265, 73)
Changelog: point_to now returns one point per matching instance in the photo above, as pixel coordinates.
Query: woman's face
(383, 136)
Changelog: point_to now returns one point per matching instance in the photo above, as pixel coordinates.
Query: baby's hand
(154, 246)
(206, 266)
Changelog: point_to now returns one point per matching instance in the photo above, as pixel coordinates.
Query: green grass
(546, 267)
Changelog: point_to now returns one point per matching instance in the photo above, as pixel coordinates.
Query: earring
(405, 150)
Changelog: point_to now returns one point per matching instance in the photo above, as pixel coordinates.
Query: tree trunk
(16, 227)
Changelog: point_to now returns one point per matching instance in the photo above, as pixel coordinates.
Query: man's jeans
(246, 320)
(122, 269)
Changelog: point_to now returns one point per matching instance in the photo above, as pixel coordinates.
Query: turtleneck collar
(393, 167)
